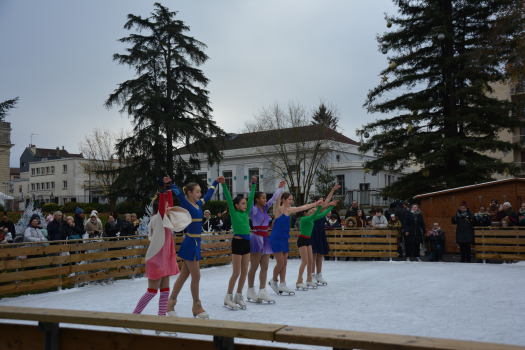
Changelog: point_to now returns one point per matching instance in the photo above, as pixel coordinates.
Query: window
(32, 187)
(52, 170)
(338, 158)
(389, 179)
(64, 184)
(64, 200)
(37, 186)
(19, 189)
(43, 170)
(364, 194)
(47, 170)
(228, 175)
(43, 186)
(252, 173)
(73, 199)
(64, 167)
(293, 168)
(52, 185)
(341, 181)
(47, 185)
(203, 177)
(33, 172)
(38, 171)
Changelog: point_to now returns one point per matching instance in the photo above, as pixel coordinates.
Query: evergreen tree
(328, 115)
(6, 106)
(324, 181)
(167, 102)
(445, 115)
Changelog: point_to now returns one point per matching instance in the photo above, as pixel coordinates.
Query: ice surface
(482, 302)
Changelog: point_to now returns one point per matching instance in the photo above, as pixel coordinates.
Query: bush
(214, 206)
(2, 208)
(49, 207)
(70, 207)
(128, 208)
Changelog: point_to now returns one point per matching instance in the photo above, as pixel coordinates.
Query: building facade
(33, 154)
(5, 153)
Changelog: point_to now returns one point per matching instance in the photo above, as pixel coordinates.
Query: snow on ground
(482, 302)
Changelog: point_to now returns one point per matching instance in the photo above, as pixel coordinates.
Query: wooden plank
(216, 252)
(21, 263)
(365, 254)
(362, 240)
(500, 240)
(102, 275)
(501, 248)
(107, 264)
(214, 238)
(378, 341)
(216, 245)
(363, 247)
(34, 285)
(105, 245)
(37, 273)
(108, 254)
(221, 260)
(12, 252)
(222, 328)
(500, 256)
(361, 233)
(499, 233)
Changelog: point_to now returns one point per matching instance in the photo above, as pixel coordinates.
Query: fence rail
(501, 244)
(223, 332)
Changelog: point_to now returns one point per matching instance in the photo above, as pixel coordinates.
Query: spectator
(67, 227)
(333, 222)
(270, 222)
(206, 222)
(136, 223)
(391, 210)
(360, 219)
(96, 213)
(436, 239)
(369, 226)
(7, 226)
(521, 215)
(50, 217)
(327, 219)
(217, 222)
(505, 223)
(483, 217)
(379, 220)
(372, 213)
(352, 211)
(78, 220)
(54, 228)
(505, 212)
(126, 226)
(465, 221)
(33, 233)
(334, 212)
(111, 229)
(93, 227)
(351, 222)
(395, 224)
(227, 221)
(414, 227)
(401, 212)
(493, 210)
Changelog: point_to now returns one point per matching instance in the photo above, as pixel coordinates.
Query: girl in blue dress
(190, 249)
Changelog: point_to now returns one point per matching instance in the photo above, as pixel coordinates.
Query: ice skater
(161, 259)
(319, 241)
(304, 243)
(279, 240)
(239, 210)
(260, 247)
(190, 249)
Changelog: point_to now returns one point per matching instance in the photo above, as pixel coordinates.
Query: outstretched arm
(211, 190)
(302, 208)
(276, 195)
(250, 198)
(329, 197)
(228, 199)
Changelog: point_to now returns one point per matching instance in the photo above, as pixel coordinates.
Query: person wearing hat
(93, 226)
(207, 222)
(78, 220)
(505, 212)
(465, 221)
(161, 258)
(391, 210)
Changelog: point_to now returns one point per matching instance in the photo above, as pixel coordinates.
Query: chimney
(58, 152)
(63, 148)
(33, 149)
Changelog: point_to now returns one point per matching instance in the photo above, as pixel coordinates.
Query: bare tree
(292, 148)
(101, 160)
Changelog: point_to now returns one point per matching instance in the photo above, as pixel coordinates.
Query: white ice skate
(301, 286)
(251, 295)
(172, 334)
(320, 279)
(312, 285)
(134, 330)
(408, 259)
(314, 279)
(274, 286)
(263, 296)
(284, 289)
(239, 300)
(228, 302)
(418, 260)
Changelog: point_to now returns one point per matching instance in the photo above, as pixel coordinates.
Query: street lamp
(218, 174)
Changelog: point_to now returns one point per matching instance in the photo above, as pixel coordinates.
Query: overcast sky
(57, 57)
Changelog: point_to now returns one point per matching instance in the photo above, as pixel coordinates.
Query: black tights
(464, 248)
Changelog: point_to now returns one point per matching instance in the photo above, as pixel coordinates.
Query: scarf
(482, 215)
(112, 224)
(332, 223)
(522, 212)
(415, 213)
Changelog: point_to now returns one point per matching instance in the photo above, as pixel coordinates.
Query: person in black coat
(7, 225)
(112, 228)
(436, 239)
(54, 228)
(391, 210)
(483, 217)
(414, 229)
(402, 211)
(352, 211)
(79, 222)
(126, 227)
(465, 221)
(66, 227)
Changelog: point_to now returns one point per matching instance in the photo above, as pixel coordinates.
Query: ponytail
(189, 188)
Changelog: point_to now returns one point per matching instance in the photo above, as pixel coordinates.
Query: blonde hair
(69, 217)
(189, 188)
(134, 215)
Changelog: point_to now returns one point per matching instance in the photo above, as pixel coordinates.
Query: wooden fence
(30, 266)
(495, 243)
(49, 333)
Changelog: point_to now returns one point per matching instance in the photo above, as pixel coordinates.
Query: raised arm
(292, 210)
(251, 198)
(228, 199)
(318, 215)
(211, 191)
(275, 195)
(329, 197)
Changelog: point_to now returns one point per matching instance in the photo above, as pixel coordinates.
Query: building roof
(497, 182)
(289, 135)
(49, 152)
(14, 171)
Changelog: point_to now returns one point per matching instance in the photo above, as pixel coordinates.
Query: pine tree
(326, 114)
(444, 113)
(324, 181)
(167, 102)
(6, 106)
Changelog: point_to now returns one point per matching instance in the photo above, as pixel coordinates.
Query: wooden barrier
(15, 336)
(359, 243)
(495, 243)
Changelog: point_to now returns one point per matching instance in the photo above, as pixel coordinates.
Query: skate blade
(228, 307)
(322, 284)
(264, 302)
(241, 307)
(202, 318)
(313, 287)
(302, 289)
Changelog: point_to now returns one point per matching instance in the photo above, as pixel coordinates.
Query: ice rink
(482, 302)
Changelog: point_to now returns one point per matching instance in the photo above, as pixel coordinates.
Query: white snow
(482, 302)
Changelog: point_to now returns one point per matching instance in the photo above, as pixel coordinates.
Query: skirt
(260, 243)
(164, 263)
(190, 248)
(280, 245)
(240, 246)
(319, 241)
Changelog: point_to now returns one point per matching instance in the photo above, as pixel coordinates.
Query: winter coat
(513, 217)
(352, 212)
(483, 220)
(206, 225)
(54, 230)
(380, 221)
(347, 221)
(415, 226)
(91, 227)
(126, 229)
(493, 212)
(361, 221)
(66, 230)
(33, 234)
(217, 224)
(335, 224)
(111, 232)
(10, 227)
(401, 213)
(465, 226)
(396, 225)
(79, 225)
(436, 239)
(522, 221)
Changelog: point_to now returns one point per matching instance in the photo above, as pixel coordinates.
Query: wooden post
(223, 343)
(51, 330)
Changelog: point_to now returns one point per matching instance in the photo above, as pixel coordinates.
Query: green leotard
(240, 219)
(307, 222)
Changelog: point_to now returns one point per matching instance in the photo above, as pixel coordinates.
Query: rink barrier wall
(49, 332)
(495, 243)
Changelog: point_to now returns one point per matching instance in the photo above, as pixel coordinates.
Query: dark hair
(483, 207)
(316, 198)
(237, 200)
(285, 195)
(258, 195)
(379, 210)
(5, 214)
(115, 215)
(189, 188)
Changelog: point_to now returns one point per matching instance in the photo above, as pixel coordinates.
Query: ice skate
(239, 300)
(251, 295)
(228, 302)
(311, 284)
(172, 334)
(284, 289)
(418, 260)
(408, 259)
(263, 296)
(134, 330)
(320, 279)
(301, 286)
(314, 279)
(198, 311)
(171, 304)
(274, 286)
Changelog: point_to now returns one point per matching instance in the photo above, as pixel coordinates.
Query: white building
(244, 157)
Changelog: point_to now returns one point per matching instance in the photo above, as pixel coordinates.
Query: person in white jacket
(379, 220)
(33, 233)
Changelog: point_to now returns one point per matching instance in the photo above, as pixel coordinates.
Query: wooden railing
(31, 266)
(16, 336)
(495, 243)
